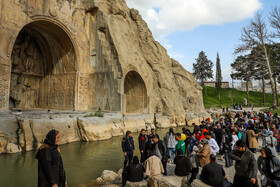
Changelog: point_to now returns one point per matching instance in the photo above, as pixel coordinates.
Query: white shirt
(213, 146)
(234, 140)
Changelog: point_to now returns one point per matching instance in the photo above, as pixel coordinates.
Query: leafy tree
(202, 69)
(274, 51)
(243, 70)
(256, 35)
(260, 72)
(218, 76)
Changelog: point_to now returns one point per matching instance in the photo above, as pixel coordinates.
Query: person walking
(266, 163)
(245, 166)
(143, 140)
(170, 142)
(204, 153)
(51, 171)
(160, 151)
(128, 148)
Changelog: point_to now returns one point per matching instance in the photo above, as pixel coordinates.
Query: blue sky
(215, 32)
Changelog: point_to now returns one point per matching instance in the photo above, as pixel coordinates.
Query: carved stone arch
(135, 93)
(44, 66)
(51, 21)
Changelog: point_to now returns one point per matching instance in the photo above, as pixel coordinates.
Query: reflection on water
(83, 161)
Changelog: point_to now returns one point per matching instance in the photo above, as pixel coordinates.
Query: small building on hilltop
(214, 84)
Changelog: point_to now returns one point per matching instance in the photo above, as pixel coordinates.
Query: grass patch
(231, 95)
(272, 111)
(96, 114)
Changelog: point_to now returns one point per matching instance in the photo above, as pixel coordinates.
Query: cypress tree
(218, 76)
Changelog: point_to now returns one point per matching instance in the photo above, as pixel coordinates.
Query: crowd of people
(235, 138)
(232, 138)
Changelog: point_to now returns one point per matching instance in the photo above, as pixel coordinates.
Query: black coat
(50, 167)
(143, 140)
(128, 144)
(134, 172)
(196, 129)
(219, 134)
(183, 166)
(213, 174)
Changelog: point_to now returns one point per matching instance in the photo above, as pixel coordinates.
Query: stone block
(143, 183)
(109, 176)
(168, 181)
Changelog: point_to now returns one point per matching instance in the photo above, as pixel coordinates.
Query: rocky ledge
(24, 131)
(110, 178)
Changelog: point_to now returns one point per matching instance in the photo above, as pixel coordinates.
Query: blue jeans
(170, 150)
(127, 159)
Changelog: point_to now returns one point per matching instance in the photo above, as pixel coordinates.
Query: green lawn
(272, 111)
(230, 95)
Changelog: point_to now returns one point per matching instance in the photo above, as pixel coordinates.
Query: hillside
(231, 95)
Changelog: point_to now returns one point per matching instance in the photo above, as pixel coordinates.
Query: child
(234, 138)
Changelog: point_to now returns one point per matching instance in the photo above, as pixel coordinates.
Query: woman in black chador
(50, 166)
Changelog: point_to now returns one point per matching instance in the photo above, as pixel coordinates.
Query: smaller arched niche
(136, 99)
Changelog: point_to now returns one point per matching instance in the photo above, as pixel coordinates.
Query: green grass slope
(230, 95)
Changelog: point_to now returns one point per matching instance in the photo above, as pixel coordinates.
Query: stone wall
(75, 55)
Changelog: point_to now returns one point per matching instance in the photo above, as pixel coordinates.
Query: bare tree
(274, 20)
(255, 35)
(260, 72)
(275, 24)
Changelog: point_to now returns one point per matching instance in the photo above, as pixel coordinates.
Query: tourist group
(249, 139)
(239, 138)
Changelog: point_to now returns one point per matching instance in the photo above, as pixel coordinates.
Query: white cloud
(167, 16)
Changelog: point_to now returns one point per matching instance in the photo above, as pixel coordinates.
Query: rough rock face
(27, 132)
(88, 55)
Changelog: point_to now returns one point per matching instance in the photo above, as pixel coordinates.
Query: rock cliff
(58, 55)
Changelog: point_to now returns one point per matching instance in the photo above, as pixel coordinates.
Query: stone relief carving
(32, 85)
(27, 63)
